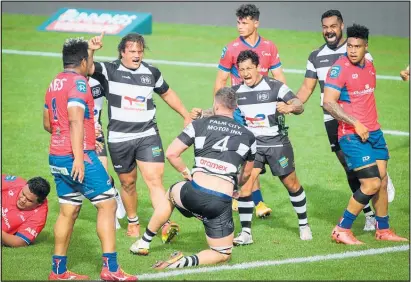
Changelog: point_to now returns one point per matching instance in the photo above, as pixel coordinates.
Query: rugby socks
(257, 196)
(59, 264)
(298, 200)
(382, 222)
(347, 220)
(147, 238)
(245, 209)
(354, 186)
(185, 262)
(110, 261)
(133, 220)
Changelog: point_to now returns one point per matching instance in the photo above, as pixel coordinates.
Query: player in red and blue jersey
(23, 209)
(349, 98)
(77, 171)
(249, 39)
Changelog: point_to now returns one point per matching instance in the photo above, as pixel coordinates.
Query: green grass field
(25, 153)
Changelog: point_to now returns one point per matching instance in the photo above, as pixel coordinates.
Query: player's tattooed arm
(207, 113)
(338, 113)
(297, 106)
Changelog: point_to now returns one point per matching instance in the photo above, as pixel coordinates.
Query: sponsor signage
(96, 21)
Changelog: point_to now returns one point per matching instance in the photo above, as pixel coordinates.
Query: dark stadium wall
(383, 18)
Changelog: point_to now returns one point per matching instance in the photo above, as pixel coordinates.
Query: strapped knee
(368, 172)
(362, 198)
(223, 250)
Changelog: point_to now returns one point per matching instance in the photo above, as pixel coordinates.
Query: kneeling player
(221, 147)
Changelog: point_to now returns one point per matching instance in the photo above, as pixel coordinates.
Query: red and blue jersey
(266, 50)
(69, 89)
(24, 224)
(356, 84)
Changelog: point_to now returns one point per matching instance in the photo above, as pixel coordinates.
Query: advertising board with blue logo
(97, 21)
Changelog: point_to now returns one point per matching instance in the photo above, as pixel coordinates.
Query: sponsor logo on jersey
(366, 158)
(31, 231)
(126, 76)
(11, 193)
(324, 61)
(96, 91)
(57, 84)
(81, 86)
(266, 54)
(156, 151)
(366, 91)
(137, 103)
(283, 161)
(257, 121)
(58, 170)
(10, 178)
(213, 165)
(335, 71)
(354, 76)
(4, 212)
(145, 79)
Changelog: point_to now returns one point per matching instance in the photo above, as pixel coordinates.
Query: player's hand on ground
(96, 42)
(187, 121)
(195, 113)
(77, 172)
(405, 74)
(361, 130)
(283, 108)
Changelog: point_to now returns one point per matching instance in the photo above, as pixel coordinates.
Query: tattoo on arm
(208, 113)
(338, 113)
(298, 107)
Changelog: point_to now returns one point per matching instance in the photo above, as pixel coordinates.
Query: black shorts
(103, 153)
(211, 207)
(331, 127)
(279, 155)
(146, 149)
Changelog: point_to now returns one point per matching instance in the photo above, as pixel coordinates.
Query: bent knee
(223, 252)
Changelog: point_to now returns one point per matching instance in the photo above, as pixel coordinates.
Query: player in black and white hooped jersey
(224, 155)
(263, 101)
(133, 135)
(318, 64)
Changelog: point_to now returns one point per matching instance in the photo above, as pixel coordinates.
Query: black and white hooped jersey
(98, 92)
(221, 146)
(320, 61)
(131, 107)
(258, 105)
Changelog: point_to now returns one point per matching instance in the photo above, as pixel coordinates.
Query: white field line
(256, 264)
(188, 64)
(164, 62)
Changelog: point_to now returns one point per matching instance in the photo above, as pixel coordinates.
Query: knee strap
(362, 198)
(223, 250)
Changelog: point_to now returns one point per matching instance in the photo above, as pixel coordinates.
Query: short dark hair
(39, 187)
(332, 13)
(227, 97)
(131, 37)
(248, 10)
(74, 51)
(248, 54)
(358, 31)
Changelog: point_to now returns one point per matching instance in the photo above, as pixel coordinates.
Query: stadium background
(24, 143)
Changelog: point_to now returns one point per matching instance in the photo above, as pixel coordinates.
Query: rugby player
(133, 135)
(263, 101)
(224, 155)
(248, 16)
(349, 98)
(318, 64)
(78, 173)
(24, 209)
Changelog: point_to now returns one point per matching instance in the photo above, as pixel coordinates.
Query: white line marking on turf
(174, 63)
(255, 264)
(190, 64)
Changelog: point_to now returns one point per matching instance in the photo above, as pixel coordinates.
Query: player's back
(221, 145)
(69, 89)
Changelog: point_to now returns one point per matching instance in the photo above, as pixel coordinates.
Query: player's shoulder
(236, 43)
(236, 87)
(272, 82)
(266, 42)
(250, 136)
(151, 67)
(314, 53)
(340, 67)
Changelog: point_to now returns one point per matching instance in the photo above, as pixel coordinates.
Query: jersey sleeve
(285, 93)
(369, 57)
(10, 181)
(275, 58)
(102, 80)
(335, 77)
(100, 67)
(310, 70)
(188, 135)
(253, 148)
(76, 96)
(29, 230)
(226, 62)
(161, 85)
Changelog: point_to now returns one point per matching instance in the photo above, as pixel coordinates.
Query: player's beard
(333, 45)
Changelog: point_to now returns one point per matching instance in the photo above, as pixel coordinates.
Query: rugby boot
(118, 275)
(243, 238)
(305, 233)
(169, 231)
(369, 223)
(345, 236)
(138, 248)
(68, 275)
(174, 257)
(262, 211)
(388, 235)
